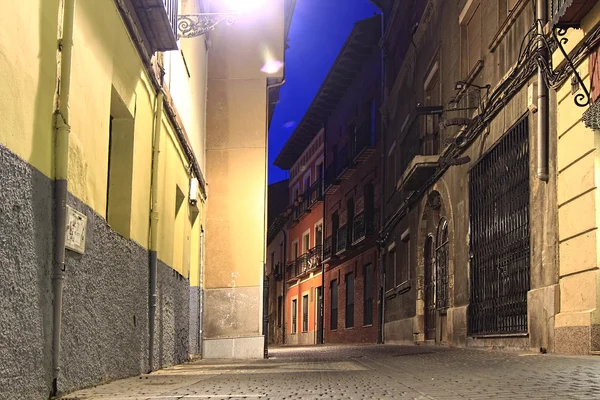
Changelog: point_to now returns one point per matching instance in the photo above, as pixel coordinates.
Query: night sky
(318, 32)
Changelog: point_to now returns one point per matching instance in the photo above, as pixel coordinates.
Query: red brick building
(352, 187)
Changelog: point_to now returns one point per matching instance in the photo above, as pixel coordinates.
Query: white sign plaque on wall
(76, 229)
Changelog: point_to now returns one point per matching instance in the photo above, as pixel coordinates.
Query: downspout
(154, 227)
(543, 101)
(61, 167)
(322, 316)
(284, 292)
(380, 269)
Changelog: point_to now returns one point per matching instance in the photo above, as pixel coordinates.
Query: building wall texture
(440, 38)
(106, 289)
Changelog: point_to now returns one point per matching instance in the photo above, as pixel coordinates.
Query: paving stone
(366, 372)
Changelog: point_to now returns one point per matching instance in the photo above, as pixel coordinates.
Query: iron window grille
(500, 237)
(334, 305)
(350, 300)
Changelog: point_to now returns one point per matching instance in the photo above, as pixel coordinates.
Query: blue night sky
(318, 32)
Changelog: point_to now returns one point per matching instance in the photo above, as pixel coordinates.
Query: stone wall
(105, 302)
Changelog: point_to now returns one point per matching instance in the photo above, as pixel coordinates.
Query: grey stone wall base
(194, 320)
(105, 302)
(26, 237)
(171, 342)
(542, 305)
(234, 348)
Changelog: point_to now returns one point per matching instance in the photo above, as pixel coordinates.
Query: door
(429, 290)
(319, 315)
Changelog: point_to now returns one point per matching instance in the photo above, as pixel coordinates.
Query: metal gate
(499, 224)
(442, 297)
(429, 290)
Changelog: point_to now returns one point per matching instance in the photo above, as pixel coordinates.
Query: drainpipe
(322, 316)
(61, 166)
(284, 292)
(154, 227)
(543, 102)
(380, 269)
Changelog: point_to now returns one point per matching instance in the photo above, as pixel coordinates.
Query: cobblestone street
(367, 372)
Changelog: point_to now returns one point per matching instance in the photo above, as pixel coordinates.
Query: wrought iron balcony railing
(308, 261)
(158, 22)
(342, 239)
(363, 226)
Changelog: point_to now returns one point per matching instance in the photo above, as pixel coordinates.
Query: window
(279, 305)
(294, 315)
(119, 178)
(373, 122)
(272, 262)
(390, 270)
(470, 19)
(432, 98)
(350, 223)
(403, 265)
(307, 183)
(368, 295)
(334, 305)
(319, 234)
(305, 313)
(295, 250)
(335, 225)
(391, 169)
(305, 243)
(350, 300)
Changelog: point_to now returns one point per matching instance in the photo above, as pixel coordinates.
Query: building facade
(276, 260)
(104, 154)
(480, 217)
(240, 96)
(303, 274)
(352, 189)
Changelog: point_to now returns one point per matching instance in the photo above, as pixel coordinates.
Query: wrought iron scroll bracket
(581, 99)
(194, 25)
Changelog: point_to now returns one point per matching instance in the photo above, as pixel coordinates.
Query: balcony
(569, 13)
(344, 167)
(363, 227)
(158, 22)
(305, 264)
(364, 144)
(278, 273)
(331, 182)
(342, 239)
(418, 159)
(328, 249)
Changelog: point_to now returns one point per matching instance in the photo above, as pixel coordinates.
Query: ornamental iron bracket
(581, 99)
(194, 25)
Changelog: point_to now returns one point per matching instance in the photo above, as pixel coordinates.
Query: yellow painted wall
(28, 40)
(578, 180)
(106, 67)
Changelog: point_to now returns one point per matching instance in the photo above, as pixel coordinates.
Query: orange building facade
(304, 278)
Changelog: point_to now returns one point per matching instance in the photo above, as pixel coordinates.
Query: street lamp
(194, 25)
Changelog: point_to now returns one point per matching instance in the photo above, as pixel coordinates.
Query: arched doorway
(430, 288)
(434, 236)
